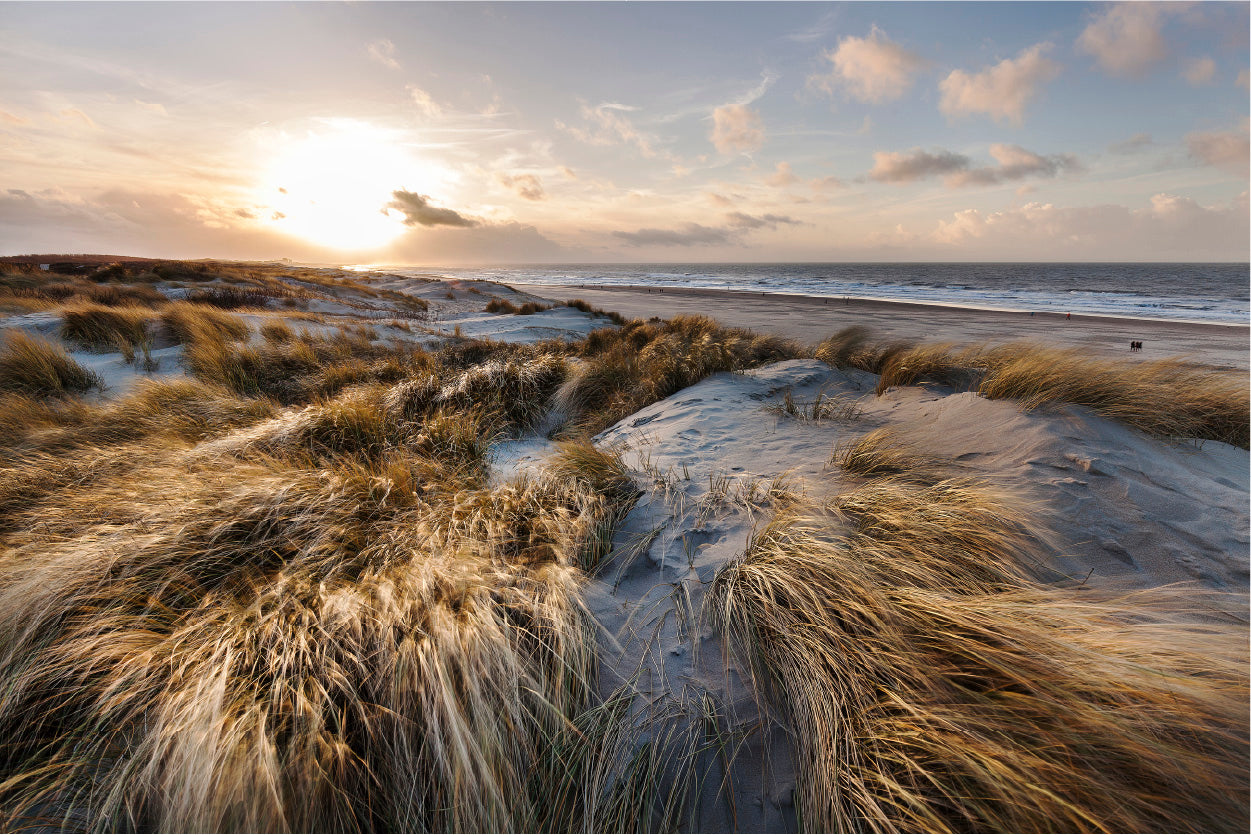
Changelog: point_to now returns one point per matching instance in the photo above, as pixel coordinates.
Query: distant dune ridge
(309, 549)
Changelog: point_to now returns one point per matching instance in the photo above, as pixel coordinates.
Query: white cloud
(74, 114)
(1000, 91)
(1228, 150)
(782, 176)
(528, 186)
(1200, 71)
(152, 107)
(736, 128)
(1169, 228)
(872, 69)
(383, 51)
(426, 104)
(1126, 39)
(610, 126)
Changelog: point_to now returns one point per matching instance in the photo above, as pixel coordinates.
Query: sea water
(1180, 292)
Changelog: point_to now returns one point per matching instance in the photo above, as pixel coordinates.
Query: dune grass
(625, 369)
(345, 626)
(929, 685)
(1168, 398)
(34, 366)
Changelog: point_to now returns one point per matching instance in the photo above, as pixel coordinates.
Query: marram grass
(929, 685)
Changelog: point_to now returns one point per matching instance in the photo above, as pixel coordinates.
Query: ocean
(1178, 292)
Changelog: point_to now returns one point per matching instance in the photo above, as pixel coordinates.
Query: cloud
(13, 118)
(737, 225)
(736, 128)
(383, 51)
(1168, 228)
(418, 211)
(905, 167)
(871, 69)
(610, 126)
(782, 176)
(831, 182)
(1227, 150)
(486, 243)
(1126, 39)
(1001, 91)
(426, 105)
(1013, 163)
(1132, 145)
(689, 234)
(1200, 71)
(527, 185)
(1243, 80)
(152, 107)
(73, 113)
(740, 220)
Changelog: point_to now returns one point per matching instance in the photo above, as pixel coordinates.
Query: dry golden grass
(34, 366)
(1167, 398)
(929, 685)
(350, 630)
(882, 453)
(625, 369)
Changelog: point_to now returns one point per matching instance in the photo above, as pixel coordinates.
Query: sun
(331, 186)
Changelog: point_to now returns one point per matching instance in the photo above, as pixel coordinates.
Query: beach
(379, 489)
(811, 319)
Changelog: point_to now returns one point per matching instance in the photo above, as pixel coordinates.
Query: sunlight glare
(331, 186)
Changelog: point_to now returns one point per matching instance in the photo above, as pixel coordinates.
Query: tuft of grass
(101, 327)
(625, 369)
(928, 685)
(823, 407)
(277, 331)
(517, 390)
(585, 307)
(1169, 397)
(882, 453)
(500, 306)
(34, 366)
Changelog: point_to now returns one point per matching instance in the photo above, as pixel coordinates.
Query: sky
(461, 133)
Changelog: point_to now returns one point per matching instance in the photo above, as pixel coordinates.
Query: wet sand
(811, 319)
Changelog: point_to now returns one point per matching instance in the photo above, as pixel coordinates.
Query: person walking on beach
(1068, 315)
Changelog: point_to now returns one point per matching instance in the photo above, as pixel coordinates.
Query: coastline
(812, 318)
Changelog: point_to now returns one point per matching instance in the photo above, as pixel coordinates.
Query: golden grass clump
(34, 366)
(1166, 397)
(516, 390)
(628, 368)
(929, 685)
(299, 369)
(371, 637)
(98, 326)
(883, 453)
